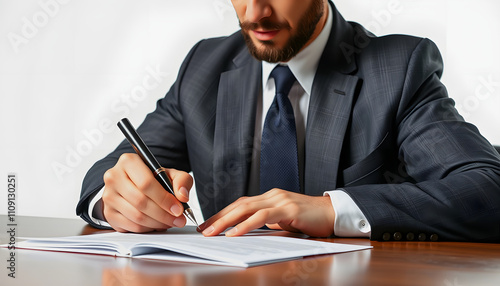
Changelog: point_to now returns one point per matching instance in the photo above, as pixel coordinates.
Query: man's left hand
(277, 209)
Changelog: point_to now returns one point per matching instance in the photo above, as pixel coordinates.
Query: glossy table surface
(388, 263)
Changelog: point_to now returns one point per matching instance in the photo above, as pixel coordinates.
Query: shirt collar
(305, 63)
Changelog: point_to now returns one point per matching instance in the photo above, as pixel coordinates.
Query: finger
(220, 214)
(121, 224)
(241, 211)
(136, 170)
(246, 205)
(182, 182)
(145, 182)
(125, 198)
(262, 200)
(127, 215)
(259, 219)
(144, 209)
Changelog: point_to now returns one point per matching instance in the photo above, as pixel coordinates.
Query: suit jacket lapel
(329, 114)
(330, 109)
(234, 128)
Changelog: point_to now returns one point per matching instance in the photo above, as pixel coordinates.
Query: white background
(69, 70)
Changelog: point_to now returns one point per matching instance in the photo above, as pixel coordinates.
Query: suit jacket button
(397, 236)
(386, 236)
(434, 237)
(422, 237)
(410, 236)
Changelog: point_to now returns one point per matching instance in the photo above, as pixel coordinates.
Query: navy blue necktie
(279, 167)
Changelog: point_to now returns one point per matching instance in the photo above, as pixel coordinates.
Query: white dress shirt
(349, 220)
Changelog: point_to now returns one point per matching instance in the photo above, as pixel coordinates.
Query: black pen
(143, 151)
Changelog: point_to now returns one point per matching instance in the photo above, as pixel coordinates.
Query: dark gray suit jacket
(380, 126)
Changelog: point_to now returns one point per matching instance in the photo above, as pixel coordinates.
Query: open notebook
(245, 251)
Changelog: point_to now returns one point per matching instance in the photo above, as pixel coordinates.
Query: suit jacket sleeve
(448, 182)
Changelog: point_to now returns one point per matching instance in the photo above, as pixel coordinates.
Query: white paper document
(243, 251)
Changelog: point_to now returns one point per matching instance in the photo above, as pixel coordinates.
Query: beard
(269, 52)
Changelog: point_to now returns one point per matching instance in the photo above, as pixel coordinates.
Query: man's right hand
(134, 201)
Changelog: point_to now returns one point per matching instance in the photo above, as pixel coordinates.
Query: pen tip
(190, 215)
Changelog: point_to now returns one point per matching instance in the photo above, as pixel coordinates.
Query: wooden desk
(388, 263)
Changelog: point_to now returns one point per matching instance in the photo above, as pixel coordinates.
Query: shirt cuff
(349, 219)
(95, 209)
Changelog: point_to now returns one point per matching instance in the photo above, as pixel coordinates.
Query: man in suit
(382, 152)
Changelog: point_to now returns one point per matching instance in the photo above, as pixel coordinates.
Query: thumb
(181, 182)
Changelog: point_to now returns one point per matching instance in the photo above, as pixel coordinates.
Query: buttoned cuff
(349, 219)
(95, 209)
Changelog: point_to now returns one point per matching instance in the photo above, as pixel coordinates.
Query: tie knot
(283, 79)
